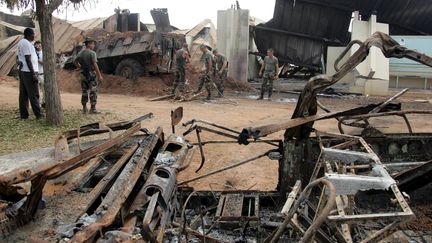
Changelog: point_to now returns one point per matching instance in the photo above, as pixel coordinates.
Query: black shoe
(84, 109)
(94, 111)
(208, 98)
(43, 105)
(260, 98)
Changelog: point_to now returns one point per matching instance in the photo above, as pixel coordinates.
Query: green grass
(21, 135)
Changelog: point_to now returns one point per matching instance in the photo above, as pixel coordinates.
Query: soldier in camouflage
(221, 71)
(182, 57)
(270, 67)
(205, 79)
(86, 61)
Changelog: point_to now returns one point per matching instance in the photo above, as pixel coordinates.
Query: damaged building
(310, 35)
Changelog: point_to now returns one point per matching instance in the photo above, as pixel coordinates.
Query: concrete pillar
(376, 63)
(233, 40)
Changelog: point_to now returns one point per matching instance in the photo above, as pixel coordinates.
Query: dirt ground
(131, 100)
(245, 113)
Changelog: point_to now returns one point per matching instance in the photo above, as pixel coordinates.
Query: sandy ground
(258, 175)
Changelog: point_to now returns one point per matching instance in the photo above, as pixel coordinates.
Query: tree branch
(53, 5)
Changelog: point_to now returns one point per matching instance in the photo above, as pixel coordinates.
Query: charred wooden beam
(415, 178)
(53, 170)
(261, 131)
(121, 188)
(108, 179)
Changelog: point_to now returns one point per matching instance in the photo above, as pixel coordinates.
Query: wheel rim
(127, 72)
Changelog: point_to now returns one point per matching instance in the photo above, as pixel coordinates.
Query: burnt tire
(129, 68)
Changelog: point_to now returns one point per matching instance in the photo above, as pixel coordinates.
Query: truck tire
(129, 68)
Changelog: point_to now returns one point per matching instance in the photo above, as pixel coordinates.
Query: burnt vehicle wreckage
(331, 187)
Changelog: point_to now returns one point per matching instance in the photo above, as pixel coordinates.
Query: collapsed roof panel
(301, 29)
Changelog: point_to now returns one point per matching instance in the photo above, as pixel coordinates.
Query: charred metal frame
(345, 201)
(227, 132)
(307, 103)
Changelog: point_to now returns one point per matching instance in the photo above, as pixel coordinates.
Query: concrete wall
(375, 63)
(233, 40)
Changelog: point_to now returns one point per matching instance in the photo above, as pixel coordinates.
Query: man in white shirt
(39, 53)
(28, 66)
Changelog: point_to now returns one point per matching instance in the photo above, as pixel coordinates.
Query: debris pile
(331, 187)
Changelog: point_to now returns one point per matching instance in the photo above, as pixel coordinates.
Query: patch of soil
(423, 219)
(193, 75)
(69, 81)
(8, 79)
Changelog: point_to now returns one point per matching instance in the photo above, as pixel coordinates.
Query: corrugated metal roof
(8, 54)
(64, 35)
(88, 24)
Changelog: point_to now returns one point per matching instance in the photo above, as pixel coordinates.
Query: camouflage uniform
(205, 79)
(269, 75)
(89, 83)
(180, 71)
(220, 78)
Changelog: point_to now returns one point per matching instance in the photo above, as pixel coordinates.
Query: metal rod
(224, 168)
(309, 234)
(201, 149)
(377, 109)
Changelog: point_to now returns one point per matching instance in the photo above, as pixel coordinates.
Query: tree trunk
(53, 107)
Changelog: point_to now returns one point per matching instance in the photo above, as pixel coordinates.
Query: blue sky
(184, 14)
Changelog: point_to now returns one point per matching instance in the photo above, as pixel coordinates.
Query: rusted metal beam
(98, 128)
(261, 131)
(121, 188)
(74, 162)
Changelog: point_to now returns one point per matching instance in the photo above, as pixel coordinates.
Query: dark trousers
(28, 90)
(180, 79)
(267, 84)
(89, 87)
(220, 79)
(205, 80)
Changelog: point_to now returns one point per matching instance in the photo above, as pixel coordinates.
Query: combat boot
(93, 110)
(261, 96)
(84, 109)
